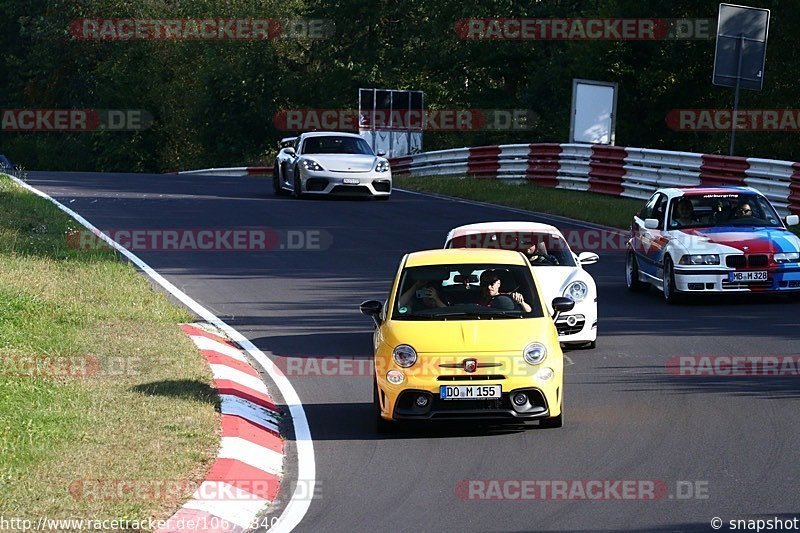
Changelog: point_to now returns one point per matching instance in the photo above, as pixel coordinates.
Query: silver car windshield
(333, 144)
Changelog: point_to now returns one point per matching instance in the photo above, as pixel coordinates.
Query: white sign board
(594, 110)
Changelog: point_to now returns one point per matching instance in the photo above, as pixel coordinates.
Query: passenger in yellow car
(421, 295)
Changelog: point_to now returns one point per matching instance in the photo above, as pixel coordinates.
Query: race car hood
(753, 240)
(344, 162)
(470, 336)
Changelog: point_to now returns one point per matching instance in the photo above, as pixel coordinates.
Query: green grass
(591, 207)
(102, 402)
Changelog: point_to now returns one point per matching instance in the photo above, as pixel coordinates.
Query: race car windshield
(541, 249)
(455, 292)
(336, 145)
(722, 209)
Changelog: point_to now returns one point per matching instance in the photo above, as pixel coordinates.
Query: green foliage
(213, 102)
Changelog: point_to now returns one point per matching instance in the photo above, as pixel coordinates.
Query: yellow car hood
(498, 335)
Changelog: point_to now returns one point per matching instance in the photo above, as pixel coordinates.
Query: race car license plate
(350, 181)
(470, 392)
(744, 277)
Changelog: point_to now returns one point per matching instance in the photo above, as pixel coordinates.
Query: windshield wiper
(478, 314)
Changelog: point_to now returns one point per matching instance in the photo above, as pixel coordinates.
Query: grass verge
(97, 381)
(591, 207)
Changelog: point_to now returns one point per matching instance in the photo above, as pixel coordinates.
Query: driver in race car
(490, 291)
(537, 255)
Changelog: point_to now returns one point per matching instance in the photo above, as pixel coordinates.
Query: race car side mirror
(588, 258)
(289, 150)
(372, 308)
(562, 304)
(792, 220)
(651, 223)
(381, 153)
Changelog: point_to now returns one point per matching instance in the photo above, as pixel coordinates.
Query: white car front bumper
(370, 183)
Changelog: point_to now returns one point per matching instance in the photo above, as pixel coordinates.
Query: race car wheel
(671, 294)
(297, 190)
(632, 274)
(277, 187)
(554, 421)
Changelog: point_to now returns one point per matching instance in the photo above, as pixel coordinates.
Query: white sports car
(559, 271)
(332, 163)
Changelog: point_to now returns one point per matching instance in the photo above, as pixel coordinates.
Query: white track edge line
(297, 507)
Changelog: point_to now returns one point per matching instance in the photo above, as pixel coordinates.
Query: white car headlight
(312, 165)
(404, 355)
(382, 166)
(534, 353)
(577, 290)
(787, 257)
(699, 259)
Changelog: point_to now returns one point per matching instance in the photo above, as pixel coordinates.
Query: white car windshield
(722, 209)
(333, 144)
(542, 249)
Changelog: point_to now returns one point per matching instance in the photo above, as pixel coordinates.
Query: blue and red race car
(712, 239)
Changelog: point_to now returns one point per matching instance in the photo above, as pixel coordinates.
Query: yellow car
(465, 335)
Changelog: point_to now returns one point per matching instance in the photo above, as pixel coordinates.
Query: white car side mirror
(792, 220)
(651, 223)
(588, 258)
(288, 150)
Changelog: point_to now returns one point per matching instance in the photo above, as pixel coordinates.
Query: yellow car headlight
(404, 355)
(534, 353)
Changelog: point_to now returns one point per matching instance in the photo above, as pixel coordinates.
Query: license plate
(351, 181)
(470, 392)
(744, 277)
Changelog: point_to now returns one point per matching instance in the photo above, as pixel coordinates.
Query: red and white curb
(245, 477)
(299, 503)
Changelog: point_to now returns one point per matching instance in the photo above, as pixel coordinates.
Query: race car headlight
(404, 355)
(534, 353)
(312, 165)
(699, 259)
(788, 257)
(382, 166)
(577, 290)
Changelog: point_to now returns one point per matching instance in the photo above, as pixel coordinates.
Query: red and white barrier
(611, 170)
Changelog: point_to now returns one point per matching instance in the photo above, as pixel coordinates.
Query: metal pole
(736, 94)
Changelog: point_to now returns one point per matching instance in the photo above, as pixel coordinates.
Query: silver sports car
(332, 163)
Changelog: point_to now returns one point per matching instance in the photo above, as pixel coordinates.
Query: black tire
(297, 190)
(382, 426)
(671, 294)
(632, 274)
(554, 421)
(276, 181)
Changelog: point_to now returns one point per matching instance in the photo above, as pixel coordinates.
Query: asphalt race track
(734, 439)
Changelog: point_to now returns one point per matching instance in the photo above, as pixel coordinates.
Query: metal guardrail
(611, 170)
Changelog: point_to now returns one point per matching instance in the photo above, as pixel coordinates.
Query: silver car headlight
(404, 355)
(312, 165)
(382, 166)
(534, 353)
(699, 259)
(787, 257)
(577, 290)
